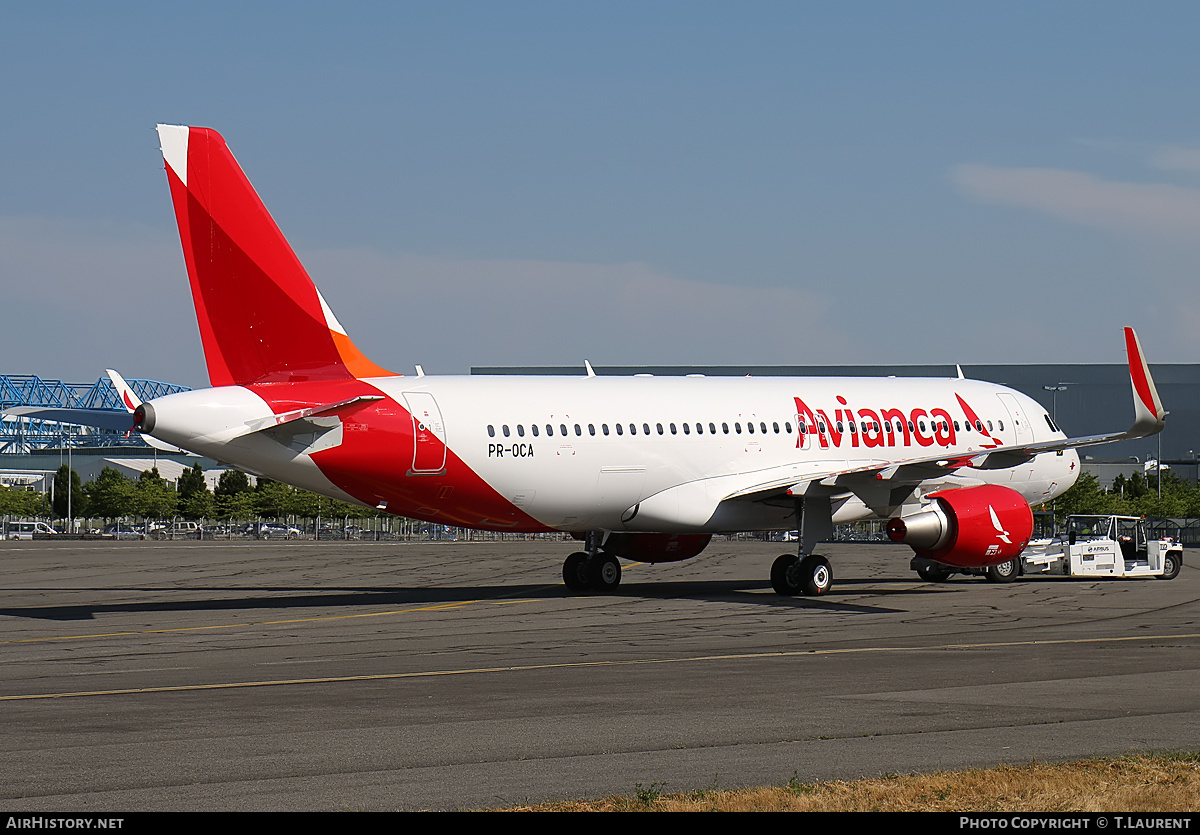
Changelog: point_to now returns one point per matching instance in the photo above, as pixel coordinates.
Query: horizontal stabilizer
(99, 418)
(311, 411)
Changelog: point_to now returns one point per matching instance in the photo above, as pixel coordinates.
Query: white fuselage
(675, 454)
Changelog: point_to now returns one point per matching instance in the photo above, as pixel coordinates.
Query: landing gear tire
(1171, 565)
(575, 572)
(1005, 572)
(933, 574)
(781, 576)
(604, 572)
(791, 575)
(816, 575)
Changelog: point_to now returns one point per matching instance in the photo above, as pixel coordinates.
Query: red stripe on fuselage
(374, 460)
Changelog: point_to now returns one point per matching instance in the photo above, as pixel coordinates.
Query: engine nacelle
(654, 547)
(969, 527)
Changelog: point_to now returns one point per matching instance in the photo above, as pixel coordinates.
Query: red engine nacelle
(654, 547)
(970, 527)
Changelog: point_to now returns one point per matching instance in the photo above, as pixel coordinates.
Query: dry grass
(1136, 783)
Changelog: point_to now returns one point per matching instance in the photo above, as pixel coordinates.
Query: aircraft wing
(792, 480)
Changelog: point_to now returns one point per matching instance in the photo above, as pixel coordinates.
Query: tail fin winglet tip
(1150, 417)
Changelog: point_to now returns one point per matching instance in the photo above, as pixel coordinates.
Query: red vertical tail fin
(261, 317)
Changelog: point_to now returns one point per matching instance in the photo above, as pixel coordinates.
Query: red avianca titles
(639, 468)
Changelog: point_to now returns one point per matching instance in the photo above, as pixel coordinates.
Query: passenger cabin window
(504, 429)
(491, 431)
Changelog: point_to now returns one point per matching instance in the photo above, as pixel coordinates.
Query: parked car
(221, 532)
(276, 530)
(26, 530)
(176, 530)
(121, 530)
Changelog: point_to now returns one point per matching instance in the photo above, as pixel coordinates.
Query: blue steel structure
(24, 435)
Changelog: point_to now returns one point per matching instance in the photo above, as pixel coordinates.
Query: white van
(26, 530)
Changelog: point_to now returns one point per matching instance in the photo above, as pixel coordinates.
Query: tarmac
(395, 676)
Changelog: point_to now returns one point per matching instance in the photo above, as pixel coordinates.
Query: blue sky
(494, 183)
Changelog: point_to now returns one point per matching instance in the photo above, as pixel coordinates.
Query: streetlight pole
(1054, 390)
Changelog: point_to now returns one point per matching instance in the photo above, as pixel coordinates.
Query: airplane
(637, 468)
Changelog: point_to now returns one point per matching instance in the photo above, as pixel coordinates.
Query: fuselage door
(429, 434)
(1020, 421)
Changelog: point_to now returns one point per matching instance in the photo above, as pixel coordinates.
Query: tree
(195, 499)
(111, 495)
(78, 499)
(1085, 497)
(155, 498)
(275, 499)
(234, 497)
(17, 501)
(232, 482)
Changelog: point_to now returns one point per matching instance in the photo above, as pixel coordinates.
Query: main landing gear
(593, 569)
(806, 572)
(591, 572)
(792, 575)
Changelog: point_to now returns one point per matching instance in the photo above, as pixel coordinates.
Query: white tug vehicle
(1091, 546)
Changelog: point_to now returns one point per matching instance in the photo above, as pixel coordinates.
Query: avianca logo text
(883, 427)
